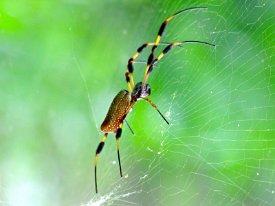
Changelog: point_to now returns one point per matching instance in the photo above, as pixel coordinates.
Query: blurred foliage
(62, 62)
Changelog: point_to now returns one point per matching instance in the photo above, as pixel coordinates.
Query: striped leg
(166, 50)
(155, 106)
(98, 150)
(160, 33)
(118, 135)
(130, 69)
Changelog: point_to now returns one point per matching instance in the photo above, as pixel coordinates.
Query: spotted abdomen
(117, 111)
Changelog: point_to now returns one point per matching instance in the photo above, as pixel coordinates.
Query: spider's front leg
(130, 68)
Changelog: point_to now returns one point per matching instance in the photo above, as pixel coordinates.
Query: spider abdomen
(117, 112)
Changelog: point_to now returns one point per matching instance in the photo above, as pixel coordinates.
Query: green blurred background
(61, 64)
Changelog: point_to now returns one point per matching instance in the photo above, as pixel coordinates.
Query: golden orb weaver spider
(125, 100)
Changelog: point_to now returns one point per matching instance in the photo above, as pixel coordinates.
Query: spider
(125, 100)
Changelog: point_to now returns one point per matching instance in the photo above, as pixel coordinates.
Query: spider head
(139, 92)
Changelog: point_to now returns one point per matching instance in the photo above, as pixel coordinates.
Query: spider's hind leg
(98, 150)
(118, 135)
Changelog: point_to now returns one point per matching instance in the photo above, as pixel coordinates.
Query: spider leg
(165, 51)
(130, 69)
(118, 135)
(155, 106)
(98, 150)
(161, 31)
(129, 127)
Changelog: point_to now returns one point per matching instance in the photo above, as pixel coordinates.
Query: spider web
(219, 147)
(59, 80)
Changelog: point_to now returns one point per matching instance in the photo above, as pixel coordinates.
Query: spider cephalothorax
(125, 100)
(141, 92)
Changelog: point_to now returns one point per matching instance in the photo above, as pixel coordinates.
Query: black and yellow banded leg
(155, 106)
(130, 68)
(128, 81)
(98, 150)
(163, 25)
(161, 31)
(150, 68)
(118, 135)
